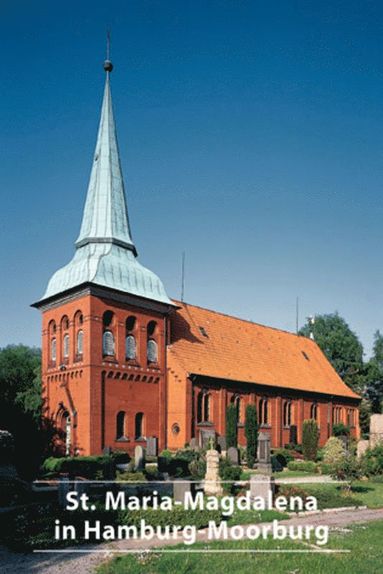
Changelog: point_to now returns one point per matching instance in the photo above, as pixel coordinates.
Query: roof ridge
(185, 304)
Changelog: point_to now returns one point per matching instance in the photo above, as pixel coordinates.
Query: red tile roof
(212, 344)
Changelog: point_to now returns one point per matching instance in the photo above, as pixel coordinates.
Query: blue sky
(250, 136)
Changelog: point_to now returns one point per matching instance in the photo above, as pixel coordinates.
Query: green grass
(363, 541)
(363, 493)
(293, 473)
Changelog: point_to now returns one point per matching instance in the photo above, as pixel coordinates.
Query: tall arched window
(263, 411)
(120, 425)
(314, 411)
(203, 407)
(287, 409)
(152, 351)
(108, 344)
(66, 346)
(236, 400)
(139, 426)
(80, 343)
(53, 349)
(130, 347)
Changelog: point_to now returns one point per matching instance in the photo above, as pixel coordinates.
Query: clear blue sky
(251, 136)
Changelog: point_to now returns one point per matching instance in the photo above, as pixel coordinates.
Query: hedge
(303, 466)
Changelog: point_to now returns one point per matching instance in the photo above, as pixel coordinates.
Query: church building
(123, 364)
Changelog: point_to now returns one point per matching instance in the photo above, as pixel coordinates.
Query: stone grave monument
(212, 482)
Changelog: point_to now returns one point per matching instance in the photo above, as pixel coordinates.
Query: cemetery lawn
(363, 541)
(363, 493)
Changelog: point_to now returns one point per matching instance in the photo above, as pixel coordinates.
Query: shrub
(283, 456)
(197, 468)
(251, 433)
(303, 465)
(91, 467)
(290, 490)
(276, 466)
(231, 425)
(228, 471)
(347, 469)
(326, 468)
(340, 429)
(372, 461)
(333, 451)
(310, 438)
(131, 476)
(120, 457)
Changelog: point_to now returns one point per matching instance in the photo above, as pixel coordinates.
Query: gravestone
(152, 446)
(345, 441)
(193, 444)
(264, 455)
(139, 458)
(107, 450)
(205, 436)
(361, 448)
(376, 430)
(233, 455)
(212, 482)
(180, 489)
(222, 442)
(261, 485)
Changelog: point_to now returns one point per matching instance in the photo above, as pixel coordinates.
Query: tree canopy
(341, 346)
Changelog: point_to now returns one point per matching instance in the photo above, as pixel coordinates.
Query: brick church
(122, 362)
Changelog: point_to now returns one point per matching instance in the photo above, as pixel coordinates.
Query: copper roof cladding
(212, 344)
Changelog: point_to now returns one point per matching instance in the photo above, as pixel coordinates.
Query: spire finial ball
(108, 66)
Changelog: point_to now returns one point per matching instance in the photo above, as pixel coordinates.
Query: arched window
(53, 349)
(80, 343)
(314, 411)
(236, 400)
(151, 328)
(287, 409)
(203, 407)
(66, 346)
(152, 351)
(139, 426)
(120, 425)
(130, 324)
(107, 318)
(108, 344)
(263, 411)
(52, 327)
(130, 347)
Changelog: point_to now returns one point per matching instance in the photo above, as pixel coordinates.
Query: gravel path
(70, 563)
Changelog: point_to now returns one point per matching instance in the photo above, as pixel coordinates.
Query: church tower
(105, 322)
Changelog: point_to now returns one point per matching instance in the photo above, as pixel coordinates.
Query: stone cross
(212, 482)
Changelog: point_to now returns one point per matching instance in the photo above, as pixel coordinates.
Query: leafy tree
(20, 405)
(340, 345)
(340, 429)
(251, 433)
(231, 425)
(310, 438)
(374, 375)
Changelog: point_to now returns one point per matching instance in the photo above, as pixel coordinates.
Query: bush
(303, 465)
(120, 457)
(372, 461)
(228, 471)
(283, 455)
(197, 468)
(251, 433)
(347, 469)
(231, 426)
(90, 467)
(340, 429)
(131, 476)
(276, 466)
(290, 490)
(326, 468)
(310, 438)
(333, 451)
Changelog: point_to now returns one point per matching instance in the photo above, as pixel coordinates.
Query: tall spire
(105, 253)
(105, 218)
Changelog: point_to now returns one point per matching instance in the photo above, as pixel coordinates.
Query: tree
(310, 438)
(251, 433)
(231, 425)
(20, 405)
(374, 375)
(340, 345)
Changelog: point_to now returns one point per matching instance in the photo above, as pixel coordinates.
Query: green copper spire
(105, 253)
(105, 218)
